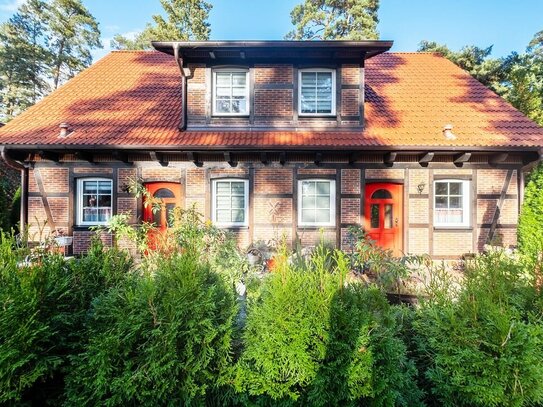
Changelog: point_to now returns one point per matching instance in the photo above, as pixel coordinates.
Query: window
(316, 202)
(317, 92)
(230, 92)
(230, 202)
(451, 203)
(94, 201)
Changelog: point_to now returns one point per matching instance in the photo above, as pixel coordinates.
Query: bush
(311, 339)
(479, 348)
(44, 306)
(161, 338)
(530, 227)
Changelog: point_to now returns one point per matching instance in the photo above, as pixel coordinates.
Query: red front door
(383, 219)
(167, 196)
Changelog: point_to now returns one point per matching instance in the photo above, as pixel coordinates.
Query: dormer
(243, 85)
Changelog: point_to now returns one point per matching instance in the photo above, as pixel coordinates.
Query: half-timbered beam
(229, 160)
(461, 158)
(389, 158)
(282, 158)
(194, 158)
(318, 158)
(425, 159)
(49, 155)
(497, 158)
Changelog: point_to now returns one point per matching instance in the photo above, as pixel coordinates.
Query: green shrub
(44, 306)
(162, 338)
(311, 339)
(478, 348)
(530, 227)
(15, 211)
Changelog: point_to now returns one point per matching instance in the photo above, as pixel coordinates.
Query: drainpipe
(179, 60)
(23, 168)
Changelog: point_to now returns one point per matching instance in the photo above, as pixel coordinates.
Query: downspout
(179, 61)
(16, 165)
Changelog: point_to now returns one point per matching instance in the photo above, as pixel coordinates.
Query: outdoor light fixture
(421, 187)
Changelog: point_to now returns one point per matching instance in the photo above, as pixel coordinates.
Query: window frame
(79, 201)
(214, 183)
(334, 90)
(214, 92)
(466, 200)
(333, 208)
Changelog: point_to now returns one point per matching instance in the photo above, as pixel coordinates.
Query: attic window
(230, 92)
(317, 92)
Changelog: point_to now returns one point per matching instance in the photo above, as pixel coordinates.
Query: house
(280, 137)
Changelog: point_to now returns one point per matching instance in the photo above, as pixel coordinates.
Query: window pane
(222, 106)
(323, 188)
(238, 188)
(239, 92)
(455, 202)
(308, 187)
(223, 188)
(238, 215)
(222, 92)
(104, 200)
(238, 202)
(239, 79)
(308, 216)
(455, 188)
(322, 215)
(388, 216)
(324, 79)
(324, 108)
(223, 78)
(374, 216)
(309, 107)
(309, 79)
(323, 202)
(223, 216)
(90, 215)
(90, 187)
(441, 202)
(90, 200)
(308, 202)
(441, 188)
(223, 202)
(157, 216)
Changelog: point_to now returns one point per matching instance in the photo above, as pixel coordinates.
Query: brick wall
(273, 208)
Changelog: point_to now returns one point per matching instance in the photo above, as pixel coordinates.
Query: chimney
(447, 132)
(63, 130)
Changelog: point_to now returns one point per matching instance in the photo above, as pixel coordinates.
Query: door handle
(396, 221)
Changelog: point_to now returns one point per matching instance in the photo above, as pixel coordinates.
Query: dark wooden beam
(118, 155)
(352, 158)
(318, 158)
(389, 158)
(264, 158)
(282, 158)
(461, 158)
(425, 159)
(159, 157)
(85, 156)
(194, 158)
(497, 158)
(49, 155)
(229, 160)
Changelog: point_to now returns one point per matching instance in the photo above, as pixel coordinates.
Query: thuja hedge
(530, 228)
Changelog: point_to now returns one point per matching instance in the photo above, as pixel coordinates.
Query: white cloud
(11, 5)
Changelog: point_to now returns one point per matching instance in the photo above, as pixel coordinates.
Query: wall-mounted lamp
(421, 187)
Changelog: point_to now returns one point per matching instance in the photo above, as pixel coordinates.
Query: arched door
(169, 196)
(383, 220)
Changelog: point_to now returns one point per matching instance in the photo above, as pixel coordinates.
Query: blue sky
(506, 24)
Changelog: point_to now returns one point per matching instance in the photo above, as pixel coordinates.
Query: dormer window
(317, 92)
(230, 92)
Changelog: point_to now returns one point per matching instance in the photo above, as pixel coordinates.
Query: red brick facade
(273, 190)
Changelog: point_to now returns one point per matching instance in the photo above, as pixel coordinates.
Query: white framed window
(230, 202)
(317, 92)
(230, 92)
(451, 203)
(94, 201)
(316, 202)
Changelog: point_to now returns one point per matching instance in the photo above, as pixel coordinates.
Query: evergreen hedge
(530, 227)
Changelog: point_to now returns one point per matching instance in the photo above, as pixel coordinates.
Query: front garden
(195, 321)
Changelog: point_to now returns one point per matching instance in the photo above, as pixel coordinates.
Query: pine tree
(335, 20)
(185, 20)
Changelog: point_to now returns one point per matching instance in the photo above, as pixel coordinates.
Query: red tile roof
(134, 99)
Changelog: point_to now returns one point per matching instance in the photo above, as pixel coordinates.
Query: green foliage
(478, 348)
(335, 20)
(162, 338)
(185, 20)
(5, 219)
(44, 306)
(530, 226)
(15, 209)
(312, 339)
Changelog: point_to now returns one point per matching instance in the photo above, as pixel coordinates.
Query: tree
(530, 226)
(335, 20)
(185, 20)
(23, 59)
(72, 33)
